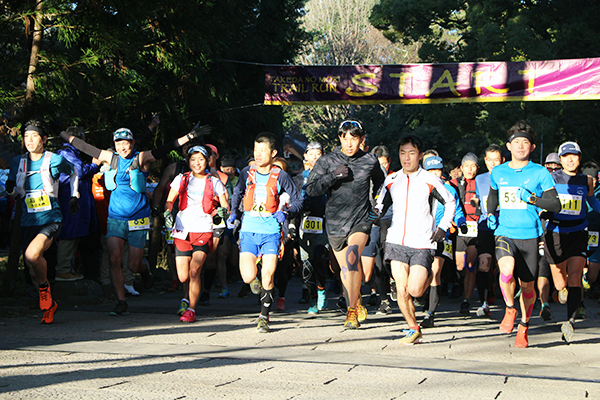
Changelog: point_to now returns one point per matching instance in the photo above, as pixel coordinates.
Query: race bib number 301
(509, 199)
(312, 225)
(139, 224)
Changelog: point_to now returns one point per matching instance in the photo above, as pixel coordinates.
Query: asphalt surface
(149, 354)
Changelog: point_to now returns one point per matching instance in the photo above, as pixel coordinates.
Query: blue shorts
(259, 243)
(120, 228)
(595, 257)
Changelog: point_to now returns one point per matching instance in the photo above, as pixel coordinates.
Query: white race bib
(509, 199)
(472, 229)
(37, 201)
(593, 238)
(139, 224)
(312, 225)
(570, 204)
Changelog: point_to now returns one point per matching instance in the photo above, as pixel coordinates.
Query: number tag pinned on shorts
(139, 224)
(448, 249)
(312, 225)
(169, 236)
(471, 229)
(593, 237)
(37, 201)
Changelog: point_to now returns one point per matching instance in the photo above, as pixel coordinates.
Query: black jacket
(347, 199)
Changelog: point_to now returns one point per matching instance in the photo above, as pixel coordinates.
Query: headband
(351, 122)
(199, 149)
(35, 129)
(521, 134)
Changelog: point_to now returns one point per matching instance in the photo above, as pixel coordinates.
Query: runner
(34, 176)
(435, 166)
(593, 217)
(519, 187)
(466, 243)
(485, 236)
(345, 175)
(413, 236)
(566, 235)
(193, 226)
(258, 189)
(129, 209)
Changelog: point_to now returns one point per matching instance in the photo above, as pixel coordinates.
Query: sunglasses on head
(349, 124)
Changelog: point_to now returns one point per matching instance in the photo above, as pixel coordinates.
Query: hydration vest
(272, 195)
(207, 197)
(50, 185)
(137, 180)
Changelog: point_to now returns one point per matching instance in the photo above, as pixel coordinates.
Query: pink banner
(434, 83)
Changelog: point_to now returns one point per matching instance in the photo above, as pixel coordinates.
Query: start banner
(434, 83)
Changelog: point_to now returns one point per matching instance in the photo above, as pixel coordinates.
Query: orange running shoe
(508, 322)
(351, 319)
(45, 298)
(48, 317)
(521, 339)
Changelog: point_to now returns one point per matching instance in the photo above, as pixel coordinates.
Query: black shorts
(439, 252)
(218, 232)
(544, 268)
(559, 247)
(28, 233)
(339, 242)
(462, 242)
(526, 255)
(486, 244)
(410, 256)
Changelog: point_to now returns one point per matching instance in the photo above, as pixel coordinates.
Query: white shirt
(193, 218)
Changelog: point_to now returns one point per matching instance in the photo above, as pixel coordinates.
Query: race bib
(448, 249)
(509, 199)
(169, 236)
(312, 225)
(259, 210)
(139, 224)
(472, 229)
(593, 238)
(570, 204)
(37, 201)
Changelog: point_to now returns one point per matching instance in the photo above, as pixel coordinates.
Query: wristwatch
(532, 199)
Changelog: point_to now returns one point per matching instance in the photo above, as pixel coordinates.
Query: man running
(519, 187)
(345, 175)
(412, 238)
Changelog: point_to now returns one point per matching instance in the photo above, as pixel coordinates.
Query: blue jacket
(86, 220)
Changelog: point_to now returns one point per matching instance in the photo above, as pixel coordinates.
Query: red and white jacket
(414, 199)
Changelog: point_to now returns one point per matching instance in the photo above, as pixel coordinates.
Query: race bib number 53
(509, 199)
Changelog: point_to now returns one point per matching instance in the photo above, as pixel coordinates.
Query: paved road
(150, 355)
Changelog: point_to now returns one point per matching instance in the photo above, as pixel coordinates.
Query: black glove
(155, 211)
(292, 231)
(9, 186)
(74, 205)
(438, 235)
(341, 172)
(464, 229)
(199, 131)
(474, 202)
(374, 214)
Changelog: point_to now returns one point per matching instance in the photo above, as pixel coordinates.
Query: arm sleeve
(492, 201)
(319, 180)
(238, 191)
(593, 202)
(449, 205)
(383, 200)
(378, 177)
(82, 146)
(459, 215)
(288, 186)
(549, 201)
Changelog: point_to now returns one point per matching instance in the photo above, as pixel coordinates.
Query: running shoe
(188, 316)
(418, 302)
(567, 330)
(521, 340)
(580, 314)
(393, 292)
(412, 336)
(585, 284)
(508, 322)
(204, 299)
(46, 301)
(68, 277)
(224, 293)
(305, 299)
(351, 319)
(563, 295)
(262, 325)
(484, 311)
(48, 317)
(361, 310)
(321, 299)
(120, 309)
(342, 305)
(427, 321)
(384, 308)
(546, 312)
(184, 305)
(130, 290)
(280, 304)
(464, 307)
(373, 299)
(313, 310)
(256, 286)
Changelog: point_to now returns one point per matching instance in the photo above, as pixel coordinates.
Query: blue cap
(433, 162)
(569, 148)
(122, 134)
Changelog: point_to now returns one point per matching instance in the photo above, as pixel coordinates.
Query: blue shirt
(572, 192)
(518, 219)
(125, 203)
(266, 224)
(459, 216)
(482, 183)
(33, 182)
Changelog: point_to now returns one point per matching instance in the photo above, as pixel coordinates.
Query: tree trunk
(33, 58)
(12, 268)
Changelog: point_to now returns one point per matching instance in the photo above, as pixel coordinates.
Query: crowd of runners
(414, 235)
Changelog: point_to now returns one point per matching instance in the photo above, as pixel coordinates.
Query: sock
(44, 285)
(525, 324)
(573, 301)
(434, 298)
(266, 301)
(192, 310)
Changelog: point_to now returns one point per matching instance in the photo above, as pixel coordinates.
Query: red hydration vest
(272, 195)
(207, 197)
